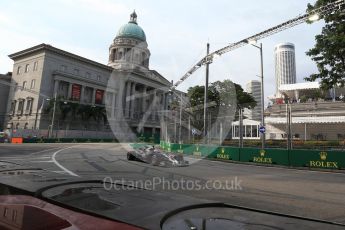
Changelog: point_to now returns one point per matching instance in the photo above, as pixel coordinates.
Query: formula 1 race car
(154, 156)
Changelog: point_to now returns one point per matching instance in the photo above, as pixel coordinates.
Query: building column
(164, 100)
(133, 97)
(93, 99)
(56, 86)
(69, 94)
(113, 104)
(144, 98)
(120, 100)
(127, 99)
(82, 94)
(154, 104)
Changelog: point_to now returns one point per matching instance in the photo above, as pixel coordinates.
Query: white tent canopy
(299, 86)
(306, 120)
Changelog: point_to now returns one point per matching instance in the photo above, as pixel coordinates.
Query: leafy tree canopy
(329, 50)
(224, 94)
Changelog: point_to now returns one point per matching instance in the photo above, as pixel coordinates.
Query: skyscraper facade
(254, 88)
(285, 65)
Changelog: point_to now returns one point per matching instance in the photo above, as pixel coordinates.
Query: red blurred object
(76, 92)
(99, 96)
(279, 101)
(25, 212)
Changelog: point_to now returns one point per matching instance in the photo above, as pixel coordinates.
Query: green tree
(329, 50)
(224, 97)
(196, 96)
(244, 99)
(222, 94)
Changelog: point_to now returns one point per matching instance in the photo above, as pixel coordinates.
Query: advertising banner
(76, 90)
(99, 96)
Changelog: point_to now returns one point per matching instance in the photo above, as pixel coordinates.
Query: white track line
(59, 165)
(44, 150)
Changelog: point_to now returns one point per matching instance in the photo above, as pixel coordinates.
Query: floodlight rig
(312, 15)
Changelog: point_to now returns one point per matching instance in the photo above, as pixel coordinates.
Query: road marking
(59, 165)
(44, 150)
(41, 161)
(43, 157)
(60, 172)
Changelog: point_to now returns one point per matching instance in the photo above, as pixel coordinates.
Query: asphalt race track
(305, 193)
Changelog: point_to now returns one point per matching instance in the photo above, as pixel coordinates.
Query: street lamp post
(53, 117)
(179, 135)
(253, 43)
(206, 94)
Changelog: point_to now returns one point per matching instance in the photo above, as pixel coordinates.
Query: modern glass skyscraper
(285, 65)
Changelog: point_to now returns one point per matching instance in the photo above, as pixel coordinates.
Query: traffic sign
(193, 131)
(262, 129)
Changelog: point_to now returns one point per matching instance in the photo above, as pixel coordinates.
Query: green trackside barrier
(207, 150)
(180, 148)
(165, 145)
(317, 159)
(197, 150)
(149, 138)
(138, 145)
(226, 153)
(173, 147)
(187, 149)
(265, 156)
(297, 158)
(200, 150)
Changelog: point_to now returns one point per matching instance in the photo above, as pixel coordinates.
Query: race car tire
(130, 157)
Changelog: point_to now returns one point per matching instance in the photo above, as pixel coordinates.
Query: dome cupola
(131, 29)
(129, 48)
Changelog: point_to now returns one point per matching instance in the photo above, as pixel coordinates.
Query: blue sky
(176, 31)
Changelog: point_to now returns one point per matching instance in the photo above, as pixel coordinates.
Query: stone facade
(130, 93)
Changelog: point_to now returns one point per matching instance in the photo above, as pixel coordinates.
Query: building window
(20, 107)
(19, 70)
(87, 75)
(128, 54)
(24, 85)
(63, 68)
(32, 84)
(29, 103)
(13, 107)
(98, 77)
(143, 58)
(35, 65)
(114, 57)
(76, 71)
(27, 68)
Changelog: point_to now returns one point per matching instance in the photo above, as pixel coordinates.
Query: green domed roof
(131, 29)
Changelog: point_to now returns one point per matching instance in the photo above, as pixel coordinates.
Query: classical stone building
(125, 90)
